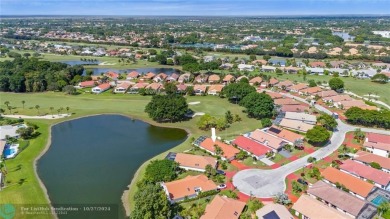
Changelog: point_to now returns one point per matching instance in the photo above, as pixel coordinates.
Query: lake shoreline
(124, 197)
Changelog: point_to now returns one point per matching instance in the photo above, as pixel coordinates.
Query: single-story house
(85, 84)
(287, 135)
(160, 77)
(298, 87)
(286, 101)
(316, 210)
(228, 79)
(337, 98)
(215, 89)
(379, 178)
(364, 73)
(310, 91)
(252, 147)
(195, 162)
(291, 69)
(122, 87)
(267, 68)
(278, 62)
(135, 88)
(326, 93)
(273, 82)
(241, 77)
(226, 66)
(201, 78)
(259, 61)
(229, 152)
(378, 144)
(101, 88)
(273, 211)
(294, 108)
(189, 187)
(184, 78)
(132, 75)
(181, 88)
(10, 130)
(317, 64)
(267, 139)
(245, 67)
(112, 75)
(349, 103)
(356, 186)
(154, 86)
(148, 76)
(341, 201)
(338, 64)
(255, 80)
(173, 77)
(222, 207)
(200, 89)
(319, 71)
(273, 95)
(214, 79)
(295, 125)
(285, 85)
(367, 158)
(302, 117)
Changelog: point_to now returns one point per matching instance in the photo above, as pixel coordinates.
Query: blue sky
(193, 7)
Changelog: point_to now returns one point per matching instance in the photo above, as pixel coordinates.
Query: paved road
(268, 183)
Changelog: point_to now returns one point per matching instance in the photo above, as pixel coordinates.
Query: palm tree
(383, 208)
(6, 103)
(1, 111)
(51, 110)
(10, 108)
(3, 167)
(67, 109)
(23, 102)
(58, 111)
(37, 107)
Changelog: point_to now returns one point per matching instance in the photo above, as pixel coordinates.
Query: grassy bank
(89, 104)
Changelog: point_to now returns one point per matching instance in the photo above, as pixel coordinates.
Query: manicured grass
(255, 164)
(22, 185)
(89, 104)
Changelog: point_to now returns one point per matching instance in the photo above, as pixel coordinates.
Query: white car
(222, 186)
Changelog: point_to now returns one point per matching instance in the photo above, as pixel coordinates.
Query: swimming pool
(9, 152)
(378, 200)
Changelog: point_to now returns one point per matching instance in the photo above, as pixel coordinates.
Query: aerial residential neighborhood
(195, 109)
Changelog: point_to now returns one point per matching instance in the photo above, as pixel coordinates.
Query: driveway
(268, 183)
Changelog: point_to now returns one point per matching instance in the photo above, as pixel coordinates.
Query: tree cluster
(370, 118)
(167, 108)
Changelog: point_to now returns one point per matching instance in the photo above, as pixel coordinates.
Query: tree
(67, 109)
(51, 110)
(161, 171)
(23, 102)
(266, 122)
(151, 202)
(237, 91)
(312, 83)
(380, 78)
(10, 109)
(25, 133)
(336, 84)
(375, 165)
(297, 187)
(266, 57)
(383, 208)
(69, 89)
(163, 108)
(258, 105)
(317, 135)
(241, 155)
(218, 150)
(283, 199)
(327, 121)
(7, 103)
(359, 135)
(254, 205)
(191, 67)
(170, 88)
(315, 173)
(229, 117)
(210, 171)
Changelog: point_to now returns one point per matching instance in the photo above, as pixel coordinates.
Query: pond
(78, 62)
(168, 71)
(92, 160)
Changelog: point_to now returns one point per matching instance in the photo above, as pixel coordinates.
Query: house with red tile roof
(122, 87)
(337, 98)
(267, 139)
(381, 179)
(298, 87)
(317, 64)
(228, 79)
(132, 75)
(223, 208)
(112, 75)
(259, 61)
(241, 77)
(154, 86)
(287, 135)
(200, 89)
(326, 93)
(101, 88)
(356, 187)
(368, 158)
(184, 78)
(285, 85)
(295, 108)
(160, 77)
(173, 77)
(85, 84)
(273, 82)
(189, 187)
(286, 101)
(201, 79)
(195, 162)
(255, 80)
(378, 144)
(274, 95)
(181, 88)
(148, 76)
(310, 91)
(214, 78)
(295, 125)
(215, 89)
(252, 147)
(135, 88)
(228, 152)
(349, 103)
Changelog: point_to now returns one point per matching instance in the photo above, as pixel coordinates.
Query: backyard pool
(378, 200)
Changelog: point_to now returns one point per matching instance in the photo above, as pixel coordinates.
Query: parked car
(338, 162)
(301, 181)
(221, 172)
(222, 186)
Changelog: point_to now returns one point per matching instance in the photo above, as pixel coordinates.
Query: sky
(194, 7)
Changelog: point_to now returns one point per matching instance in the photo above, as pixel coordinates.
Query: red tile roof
(366, 172)
(294, 108)
(368, 158)
(228, 150)
(378, 138)
(87, 84)
(251, 146)
(133, 74)
(112, 74)
(104, 86)
(286, 101)
(223, 208)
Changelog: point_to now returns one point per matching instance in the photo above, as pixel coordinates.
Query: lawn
(255, 164)
(89, 104)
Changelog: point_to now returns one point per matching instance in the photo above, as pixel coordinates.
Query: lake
(168, 71)
(92, 160)
(79, 62)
